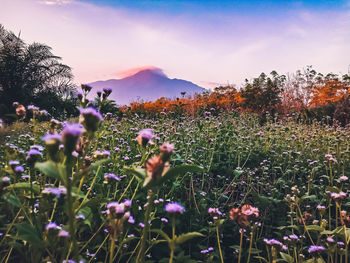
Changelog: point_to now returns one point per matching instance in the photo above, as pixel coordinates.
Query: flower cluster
(174, 208)
(145, 137)
(117, 214)
(275, 243)
(157, 165)
(316, 249)
(245, 215)
(90, 118)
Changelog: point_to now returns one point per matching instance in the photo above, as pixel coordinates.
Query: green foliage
(33, 74)
(222, 161)
(263, 93)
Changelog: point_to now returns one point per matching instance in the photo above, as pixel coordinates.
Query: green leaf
(287, 257)
(261, 258)
(314, 228)
(30, 234)
(13, 200)
(139, 173)
(327, 232)
(187, 236)
(52, 169)
(94, 166)
(24, 186)
(237, 173)
(162, 233)
(263, 201)
(86, 211)
(255, 251)
(286, 227)
(310, 197)
(333, 189)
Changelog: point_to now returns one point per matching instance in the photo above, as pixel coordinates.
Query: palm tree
(27, 71)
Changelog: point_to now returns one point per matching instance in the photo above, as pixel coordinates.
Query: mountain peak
(150, 72)
(147, 83)
(133, 71)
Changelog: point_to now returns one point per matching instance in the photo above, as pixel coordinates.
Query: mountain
(146, 85)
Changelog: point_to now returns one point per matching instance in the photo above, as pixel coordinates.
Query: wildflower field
(219, 187)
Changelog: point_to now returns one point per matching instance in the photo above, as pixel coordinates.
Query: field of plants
(174, 188)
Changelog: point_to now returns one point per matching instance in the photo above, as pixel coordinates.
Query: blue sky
(207, 42)
(221, 6)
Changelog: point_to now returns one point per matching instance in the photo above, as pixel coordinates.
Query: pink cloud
(132, 71)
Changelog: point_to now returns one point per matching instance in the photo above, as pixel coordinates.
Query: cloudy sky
(205, 41)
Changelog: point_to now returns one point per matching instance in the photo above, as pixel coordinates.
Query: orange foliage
(228, 99)
(222, 98)
(330, 91)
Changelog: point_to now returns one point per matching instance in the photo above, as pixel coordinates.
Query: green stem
(111, 251)
(90, 188)
(141, 255)
(219, 246)
(240, 246)
(250, 245)
(172, 244)
(70, 211)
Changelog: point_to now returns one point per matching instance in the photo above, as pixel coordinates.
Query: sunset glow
(206, 42)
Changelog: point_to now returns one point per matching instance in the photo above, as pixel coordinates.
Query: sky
(207, 42)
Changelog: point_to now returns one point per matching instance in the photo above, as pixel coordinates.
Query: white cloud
(55, 2)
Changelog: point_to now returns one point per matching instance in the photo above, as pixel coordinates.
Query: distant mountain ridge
(146, 85)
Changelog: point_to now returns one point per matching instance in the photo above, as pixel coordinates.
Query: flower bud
(70, 136)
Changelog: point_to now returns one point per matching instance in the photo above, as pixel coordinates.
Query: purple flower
(294, 237)
(163, 219)
(50, 138)
(131, 220)
(343, 178)
(144, 137)
(5, 179)
(115, 208)
(80, 216)
(19, 169)
(32, 108)
(37, 147)
(33, 152)
(214, 211)
(106, 92)
(174, 207)
(13, 163)
(142, 225)
(70, 135)
(315, 249)
(127, 202)
(90, 118)
(33, 155)
(330, 240)
(43, 113)
(102, 154)
(275, 243)
(112, 176)
(55, 191)
(79, 95)
(63, 233)
(51, 226)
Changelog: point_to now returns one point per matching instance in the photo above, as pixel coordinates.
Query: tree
(263, 93)
(30, 71)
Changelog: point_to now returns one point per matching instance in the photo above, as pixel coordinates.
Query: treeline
(307, 93)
